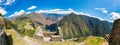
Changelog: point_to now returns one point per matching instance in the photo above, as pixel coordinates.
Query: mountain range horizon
(59, 22)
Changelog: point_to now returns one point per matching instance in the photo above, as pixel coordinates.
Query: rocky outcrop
(115, 34)
(2, 28)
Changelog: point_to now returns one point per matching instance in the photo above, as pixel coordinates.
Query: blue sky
(105, 9)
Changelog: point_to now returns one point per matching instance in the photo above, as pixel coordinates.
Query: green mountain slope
(81, 26)
(27, 23)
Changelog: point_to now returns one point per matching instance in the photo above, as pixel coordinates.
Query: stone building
(56, 38)
(49, 36)
(39, 34)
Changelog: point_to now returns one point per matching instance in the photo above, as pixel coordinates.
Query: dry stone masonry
(2, 28)
(48, 36)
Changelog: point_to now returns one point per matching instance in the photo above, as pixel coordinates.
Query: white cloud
(102, 9)
(70, 9)
(17, 13)
(60, 11)
(2, 11)
(112, 16)
(31, 8)
(6, 2)
(28, 12)
(0, 1)
(115, 15)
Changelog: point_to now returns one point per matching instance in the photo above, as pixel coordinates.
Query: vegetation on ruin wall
(20, 23)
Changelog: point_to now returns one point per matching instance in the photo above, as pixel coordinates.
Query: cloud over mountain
(60, 11)
(53, 11)
(68, 11)
(17, 13)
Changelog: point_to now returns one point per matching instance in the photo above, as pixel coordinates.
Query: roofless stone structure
(48, 36)
(39, 34)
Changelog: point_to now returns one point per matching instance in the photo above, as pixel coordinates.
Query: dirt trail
(81, 43)
(30, 41)
(105, 43)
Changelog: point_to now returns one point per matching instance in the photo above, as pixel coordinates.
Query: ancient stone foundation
(38, 37)
(56, 38)
(48, 36)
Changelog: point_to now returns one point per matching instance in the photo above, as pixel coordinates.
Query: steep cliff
(115, 34)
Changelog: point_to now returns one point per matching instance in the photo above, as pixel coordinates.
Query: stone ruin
(39, 34)
(48, 36)
(2, 28)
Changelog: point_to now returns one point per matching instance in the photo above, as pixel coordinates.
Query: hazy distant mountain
(53, 16)
(44, 19)
(74, 25)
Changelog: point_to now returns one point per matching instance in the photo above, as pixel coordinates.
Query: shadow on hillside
(52, 27)
(8, 39)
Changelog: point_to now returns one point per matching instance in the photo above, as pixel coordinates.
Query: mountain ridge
(74, 25)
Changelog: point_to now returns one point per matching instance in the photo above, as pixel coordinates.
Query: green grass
(94, 40)
(20, 28)
(28, 33)
(14, 39)
(81, 39)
